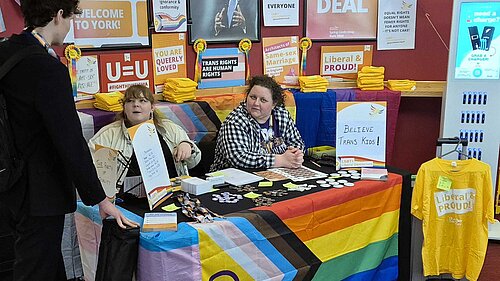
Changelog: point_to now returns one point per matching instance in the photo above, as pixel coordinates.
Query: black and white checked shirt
(238, 142)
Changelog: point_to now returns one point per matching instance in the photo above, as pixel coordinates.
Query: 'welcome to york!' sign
(361, 131)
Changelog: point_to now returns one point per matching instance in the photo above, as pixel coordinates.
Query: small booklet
(159, 222)
(374, 174)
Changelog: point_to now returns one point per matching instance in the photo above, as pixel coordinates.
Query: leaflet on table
(373, 174)
(105, 162)
(159, 222)
(361, 134)
(151, 162)
(237, 177)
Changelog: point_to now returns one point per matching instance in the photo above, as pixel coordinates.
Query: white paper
(237, 177)
(361, 134)
(105, 162)
(396, 24)
(373, 174)
(87, 73)
(151, 162)
(281, 13)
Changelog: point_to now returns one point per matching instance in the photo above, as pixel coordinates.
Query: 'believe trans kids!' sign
(361, 134)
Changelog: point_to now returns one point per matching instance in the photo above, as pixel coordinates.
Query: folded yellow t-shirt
(370, 75)
(181, 82)
(373, 69)
(173, 88)
(105, 107)
(370, 81)
(109, 98)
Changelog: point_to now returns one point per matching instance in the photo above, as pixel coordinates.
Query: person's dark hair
(38, 13)
(269, 83)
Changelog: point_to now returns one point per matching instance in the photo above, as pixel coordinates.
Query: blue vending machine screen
(478, 43)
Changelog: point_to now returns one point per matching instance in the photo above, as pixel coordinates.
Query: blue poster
(478, 41)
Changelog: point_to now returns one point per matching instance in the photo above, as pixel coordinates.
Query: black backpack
(11, 164)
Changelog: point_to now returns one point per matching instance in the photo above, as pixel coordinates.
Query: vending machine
(471, 103)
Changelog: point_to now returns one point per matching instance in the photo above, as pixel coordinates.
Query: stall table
(322, 234)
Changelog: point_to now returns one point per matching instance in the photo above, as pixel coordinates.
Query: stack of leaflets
(159, 222)
(196, 186)
(374, 174)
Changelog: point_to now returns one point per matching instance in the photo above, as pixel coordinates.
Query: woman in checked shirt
(259, 133)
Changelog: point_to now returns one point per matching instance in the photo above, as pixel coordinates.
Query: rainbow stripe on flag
(335, 234)
(164, 22)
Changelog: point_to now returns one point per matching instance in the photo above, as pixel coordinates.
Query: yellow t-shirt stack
(109, 101)
(313, 83)
(371, 78)
(401, 85)
(179, 90)
(454, 220)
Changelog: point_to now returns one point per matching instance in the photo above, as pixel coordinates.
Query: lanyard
(44, 43)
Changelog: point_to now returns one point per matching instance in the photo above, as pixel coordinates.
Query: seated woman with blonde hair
(138, 107)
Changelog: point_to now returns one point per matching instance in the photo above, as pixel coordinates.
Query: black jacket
(47, 133)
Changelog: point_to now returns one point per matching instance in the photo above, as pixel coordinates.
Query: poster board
(87, 73)
(203, 15)
(170, 16)
(222, 67)
(396, 24)
(169, 56)
(281, 58)
(281, 13)
(345, 61)
(361, 134)
(111, 23)
(151, 162)
(341, 20)
(120, 71)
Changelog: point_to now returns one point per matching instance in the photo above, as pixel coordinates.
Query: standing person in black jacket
(47, 133)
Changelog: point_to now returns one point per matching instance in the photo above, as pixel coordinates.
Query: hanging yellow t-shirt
(454, 221)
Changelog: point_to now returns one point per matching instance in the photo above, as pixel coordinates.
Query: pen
(316, 164)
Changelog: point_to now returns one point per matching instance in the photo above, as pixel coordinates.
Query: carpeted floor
(491, 265)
